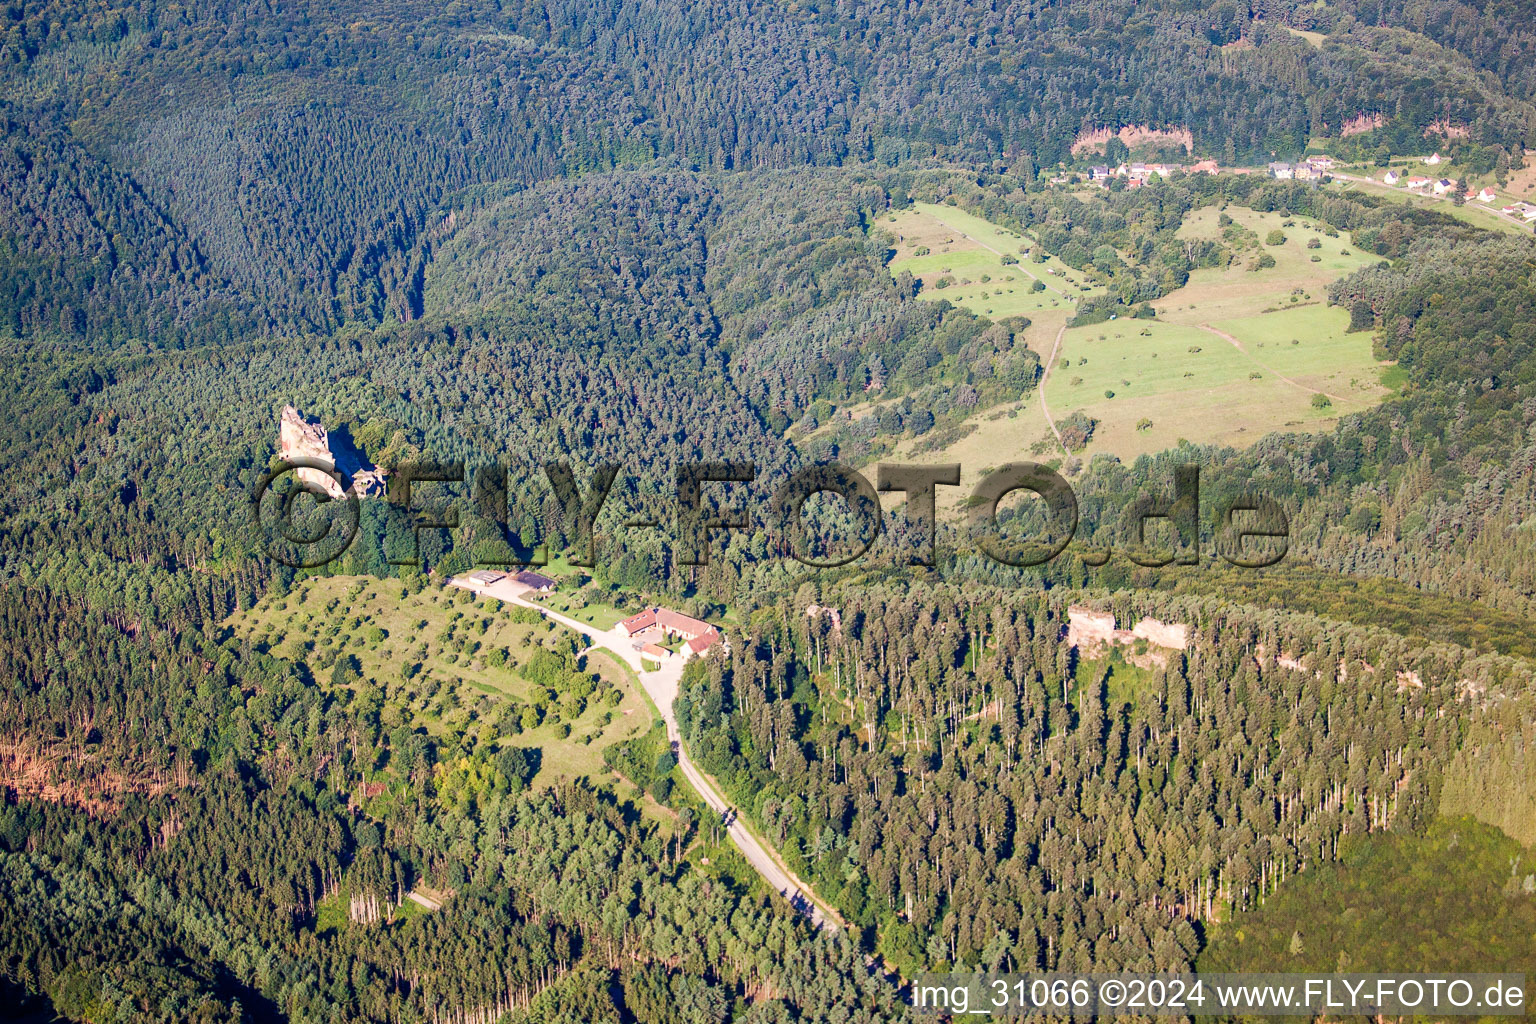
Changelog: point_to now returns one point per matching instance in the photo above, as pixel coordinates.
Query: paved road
(661, 686)
(1519, 222)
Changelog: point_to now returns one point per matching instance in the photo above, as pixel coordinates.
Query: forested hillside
(971, 791)
(238, 168)
(653, 235)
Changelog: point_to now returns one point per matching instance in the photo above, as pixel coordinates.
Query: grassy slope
(1310, 345)
(966, 248)
(1195, 384)
(1315, 38)
(1007, 433)
(1227, 292)
(288, 624)
(1188, 383)
(1211, 395)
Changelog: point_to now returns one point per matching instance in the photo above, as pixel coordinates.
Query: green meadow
(1301, 274)
(452, 666)
(1311, 346)
(1239, 352)
(1150, 385)
(960, 258)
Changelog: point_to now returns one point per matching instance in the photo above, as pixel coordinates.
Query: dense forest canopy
(650, 235)
(179, 173)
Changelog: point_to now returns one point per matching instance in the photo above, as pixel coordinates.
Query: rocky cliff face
(1088, 629)
(297, 438)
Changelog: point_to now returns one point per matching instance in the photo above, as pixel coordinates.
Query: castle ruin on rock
(297, 438)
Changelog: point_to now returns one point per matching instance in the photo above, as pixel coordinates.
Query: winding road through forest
(661, 687)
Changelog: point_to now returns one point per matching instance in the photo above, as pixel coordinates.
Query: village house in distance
(1313, 168)
(660, 623)
(1138, 174)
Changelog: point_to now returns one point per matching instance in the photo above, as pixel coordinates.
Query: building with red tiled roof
(669, 622)
(636, 623)
(681, 625)
(699, 644)
(700, 635)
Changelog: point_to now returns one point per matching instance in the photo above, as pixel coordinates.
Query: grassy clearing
(1315, 38)
(331, 913)
(1311, 346)
(1151, 384)
(1522, 183)
(1006, 433)
(1126, 682)
(1009, 432)
(575, 605)
(432, 656)
(578, 596)
(959, 257)
(1179, 378)
(1236, 291)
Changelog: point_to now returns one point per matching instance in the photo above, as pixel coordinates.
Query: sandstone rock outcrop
(812, 611)
(1089, 628)
(297, 438)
